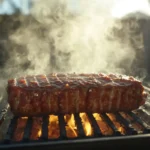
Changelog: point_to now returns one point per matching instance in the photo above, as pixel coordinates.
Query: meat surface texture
(74, 93)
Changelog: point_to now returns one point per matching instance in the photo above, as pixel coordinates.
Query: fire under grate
(97, 136)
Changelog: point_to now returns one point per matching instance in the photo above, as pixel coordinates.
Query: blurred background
(38, 36)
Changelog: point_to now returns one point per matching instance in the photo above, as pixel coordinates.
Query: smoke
(82, 37)
(73, 41)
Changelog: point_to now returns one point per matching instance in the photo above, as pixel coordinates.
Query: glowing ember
(53, 127)
(86, 124)
(19, 131)
(118, 125)
(105, 129)
(71, 128)
(36, 130)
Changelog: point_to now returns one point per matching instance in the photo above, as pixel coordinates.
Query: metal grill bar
(27, 130)
(110, 123)
(79, 125)
(45, 127)
(94, 124)
(130, 130)
(11, 129)
(137, 119)
(62, 126)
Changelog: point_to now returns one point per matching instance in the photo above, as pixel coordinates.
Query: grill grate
(11, 130)
(27, 130)
(110, 123)
(81, 135)
(97, 137)
(62, 127)
(95, 126)
(79, 125)
(44, 128)
(130, 130)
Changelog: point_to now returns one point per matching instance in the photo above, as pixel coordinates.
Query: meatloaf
(53, 93)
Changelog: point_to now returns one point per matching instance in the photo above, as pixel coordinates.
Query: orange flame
(36, 130)
(118, 125)
(53, 127)
(71, 128)
(105, 129)
(86, 124)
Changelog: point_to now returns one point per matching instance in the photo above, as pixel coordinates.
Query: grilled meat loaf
(73, 93)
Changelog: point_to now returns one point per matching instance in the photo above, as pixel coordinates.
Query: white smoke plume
(79, 42)
(69, 37)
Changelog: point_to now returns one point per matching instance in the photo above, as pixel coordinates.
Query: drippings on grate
(117, 123)
(104, 127)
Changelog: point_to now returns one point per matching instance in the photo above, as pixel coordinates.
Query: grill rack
(96, 137)
(98, 140)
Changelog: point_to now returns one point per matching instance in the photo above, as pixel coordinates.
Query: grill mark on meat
(48, 98)
(110, 99)
(16, 103)
(66, 94)
(127, 97)
(26, 81)
(35, 78)
(47, 80)
(100, 99)
(77, 101)
(118, 98)
(59, 99)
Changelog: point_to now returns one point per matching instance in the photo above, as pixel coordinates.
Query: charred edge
(142, 123)
(27, 130)
(45, 128)
(62, 126)
(11, 130)
(79, 125)
(111, 124)
(94, 124)
(130, 130)
(47, 79)
(86, 99)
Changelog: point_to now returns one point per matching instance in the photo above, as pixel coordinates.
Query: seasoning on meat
(73, 93)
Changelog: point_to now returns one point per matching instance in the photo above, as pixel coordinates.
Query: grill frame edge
(103, 142)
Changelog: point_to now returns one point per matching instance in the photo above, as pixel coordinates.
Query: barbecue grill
(132, 137)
